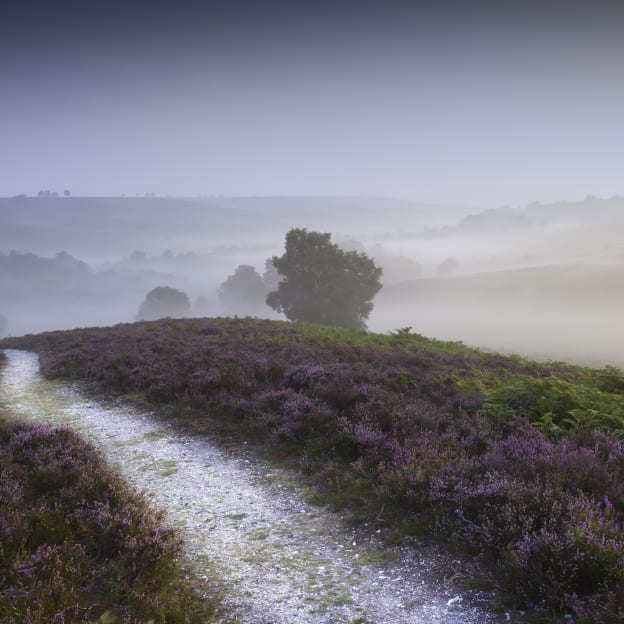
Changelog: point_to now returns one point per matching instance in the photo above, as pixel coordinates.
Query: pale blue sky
(491, 104)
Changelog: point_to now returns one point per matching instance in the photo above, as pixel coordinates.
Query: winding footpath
(281, 560)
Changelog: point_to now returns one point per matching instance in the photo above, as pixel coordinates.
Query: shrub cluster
(487, 451)
(77, 544)
(557, 405)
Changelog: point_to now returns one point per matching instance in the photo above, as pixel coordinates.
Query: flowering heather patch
(76, 542)
(509, 458)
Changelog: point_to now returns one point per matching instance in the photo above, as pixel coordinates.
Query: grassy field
(518, 462)
(567, 312)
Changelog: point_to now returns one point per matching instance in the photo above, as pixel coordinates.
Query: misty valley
(322, 410)
(311, 312)
(546, 281)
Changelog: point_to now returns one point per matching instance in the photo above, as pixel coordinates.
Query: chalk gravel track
(281, 560)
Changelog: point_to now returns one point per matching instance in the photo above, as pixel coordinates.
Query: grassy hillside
(517, 461)
(554, 284)
(589, 211)
(564, 311)
(107, 227)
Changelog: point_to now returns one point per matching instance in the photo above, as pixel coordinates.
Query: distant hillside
(591, 211)
(573, 284)
(106, 226)
(565, 312)
(88, 226)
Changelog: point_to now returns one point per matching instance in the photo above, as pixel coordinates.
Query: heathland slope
(77, 544)
(278, 558)
(516, 461)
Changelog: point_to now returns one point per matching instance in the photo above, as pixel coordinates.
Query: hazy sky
(470, 102)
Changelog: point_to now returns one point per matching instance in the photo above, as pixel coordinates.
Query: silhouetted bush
(163, 302)
(244, 292)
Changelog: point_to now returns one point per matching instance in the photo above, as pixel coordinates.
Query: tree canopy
(244, 292)
(270, 277)
(322, 283)
(164, 301)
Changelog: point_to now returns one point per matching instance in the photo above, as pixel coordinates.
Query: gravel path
(282, 560)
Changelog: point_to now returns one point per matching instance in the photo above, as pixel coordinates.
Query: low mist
(545, 281)
(175, 147)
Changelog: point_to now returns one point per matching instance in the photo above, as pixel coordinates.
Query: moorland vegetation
(77, 544)
(517, 462)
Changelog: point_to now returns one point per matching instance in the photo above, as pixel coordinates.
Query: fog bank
(545, 281)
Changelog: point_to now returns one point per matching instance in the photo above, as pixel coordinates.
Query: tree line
(314, 280)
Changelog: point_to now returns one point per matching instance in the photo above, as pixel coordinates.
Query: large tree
(164, 301)
(322, 283)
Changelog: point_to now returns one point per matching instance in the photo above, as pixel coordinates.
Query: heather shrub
(571, 562)
(517, 461)
(543, 509)
(76, 541)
